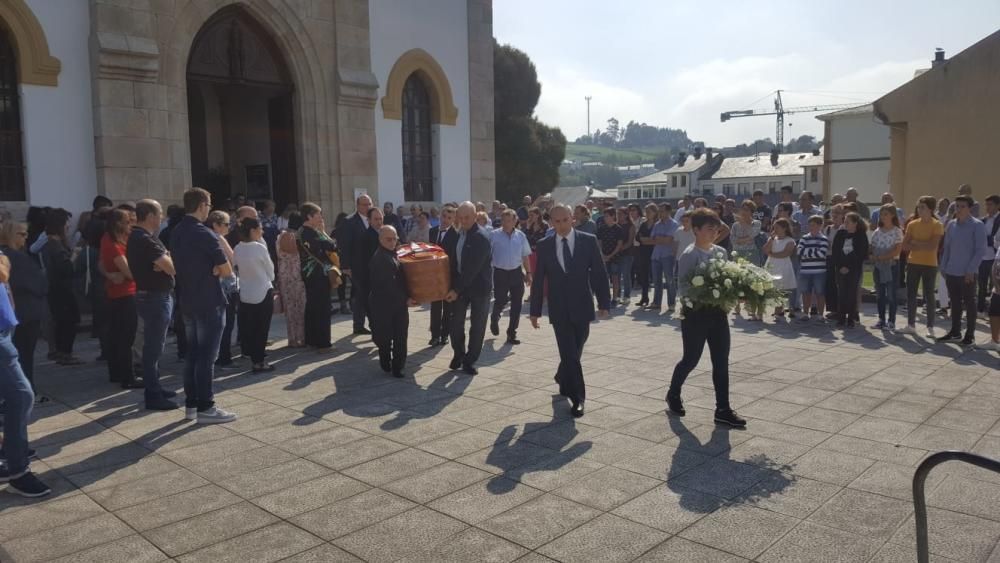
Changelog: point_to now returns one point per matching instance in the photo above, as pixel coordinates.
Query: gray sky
(681, 63)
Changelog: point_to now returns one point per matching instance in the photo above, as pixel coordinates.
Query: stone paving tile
(812, 543)
(310, 495)
(607, 538)
(861, 513)
(954, 535)
(356, 452)
(393, 466)
(966, 496)
(272, 543)
(38, 518)
(137, 492)
(389, 540)
(669, 508)
(134, 549)
(830, 467)
(65, 540)
(469, 545)
(607, 488)
(326, 553)
(274, 478)
(680, 550)
(351, 514)
(757, 529)
(209, 529)
(436, 482)
(175, 508)
(539, 520)
(220, 467)
(485, 499)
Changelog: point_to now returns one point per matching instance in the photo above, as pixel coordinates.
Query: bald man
(389, 299)
(471, 288)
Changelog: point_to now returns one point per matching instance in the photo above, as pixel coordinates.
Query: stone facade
(140, 50)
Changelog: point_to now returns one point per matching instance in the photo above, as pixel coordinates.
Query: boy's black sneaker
(29, 486)
(950, 337)
(7, 476)
(968, 342)
(731, 418)
(675, 404)
(32, 454)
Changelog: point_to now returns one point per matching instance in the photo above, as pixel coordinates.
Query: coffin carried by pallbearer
(427, 270)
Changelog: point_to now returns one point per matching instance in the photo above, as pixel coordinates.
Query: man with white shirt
(570, 261)
(511, 270)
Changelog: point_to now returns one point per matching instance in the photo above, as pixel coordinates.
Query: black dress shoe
(434, 341)
(495, 327)
(577, 409)
(456, 363)
(443, 341)
(470, 370)
(512, 340)
(675, 404)
(161, 405)
(362, 330)
(731, 418)
(385, 365)
(168, 394)
(398, 373)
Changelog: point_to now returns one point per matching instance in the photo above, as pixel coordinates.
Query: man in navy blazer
(570, 260)
(471, 288)
(354, 260)
(446, 236)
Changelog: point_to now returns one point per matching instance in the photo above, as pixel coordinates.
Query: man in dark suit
(389, 299)
(354, 260)
(570, 260)
(471, 287)
(446, 237)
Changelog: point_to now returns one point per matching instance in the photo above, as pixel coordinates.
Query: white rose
(715, 293)
(728, 282)
(697, 281)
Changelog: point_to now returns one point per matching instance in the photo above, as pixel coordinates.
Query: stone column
(357, 92)
(481, 140)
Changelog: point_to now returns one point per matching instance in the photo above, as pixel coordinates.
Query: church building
(290, 100)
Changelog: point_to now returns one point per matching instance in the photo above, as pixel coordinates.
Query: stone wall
(483, 180)
(140, 50)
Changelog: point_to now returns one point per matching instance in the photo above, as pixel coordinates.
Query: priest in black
(570, 260)
(389, 299)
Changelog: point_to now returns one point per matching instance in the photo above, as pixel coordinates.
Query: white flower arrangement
(722, 283)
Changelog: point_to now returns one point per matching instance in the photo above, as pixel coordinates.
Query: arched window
(11, 157)
(418, 154)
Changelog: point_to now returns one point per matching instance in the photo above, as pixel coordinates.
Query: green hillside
(592, 153)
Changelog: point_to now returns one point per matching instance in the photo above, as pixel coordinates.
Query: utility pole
(589, 132)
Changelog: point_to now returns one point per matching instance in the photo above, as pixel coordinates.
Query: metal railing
(919, 500)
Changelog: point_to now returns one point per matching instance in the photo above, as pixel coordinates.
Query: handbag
(332, 269)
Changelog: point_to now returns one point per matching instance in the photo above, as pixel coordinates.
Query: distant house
(575, 195)
(855, 153)
(675, 182)
(813, 179)
(943, 126)
(739, 176)
(636, 170)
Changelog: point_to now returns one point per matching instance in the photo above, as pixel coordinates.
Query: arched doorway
(240, 112)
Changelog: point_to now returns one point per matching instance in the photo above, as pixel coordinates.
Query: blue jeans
(204, 332)
(626, 273)
(664, 266)
(154, 308)
(885, 292)
(15, 391)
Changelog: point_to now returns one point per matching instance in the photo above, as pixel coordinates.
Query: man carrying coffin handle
(570, 260)
(471, 286)
(389, 299)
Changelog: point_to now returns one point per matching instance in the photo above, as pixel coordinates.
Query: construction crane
(780, 110)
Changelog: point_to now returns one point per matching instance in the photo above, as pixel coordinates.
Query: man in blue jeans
(153, 272)
(17, 397)
(663, 259)
(200, 263)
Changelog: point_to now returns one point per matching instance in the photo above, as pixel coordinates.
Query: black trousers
(25, 339)
(830, 290)
(440, 319)
(926, 276)
(508, 285)
(698, 328)
(480, 307)
(122, 325)
(317, 321)
(644, 268)
(963, 298)
(65, 319)
(255, 324)
(570, 338)
(985, 282)
(359, 303)
(390, 328)
(847, 295)
(226, 344)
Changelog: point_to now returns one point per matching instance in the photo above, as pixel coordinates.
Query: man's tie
(567, 255)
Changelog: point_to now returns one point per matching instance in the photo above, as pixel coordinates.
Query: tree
(528, 152)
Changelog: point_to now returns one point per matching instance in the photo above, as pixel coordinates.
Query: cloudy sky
(681, 63)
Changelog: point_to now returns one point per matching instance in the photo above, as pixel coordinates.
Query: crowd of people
(206, 273)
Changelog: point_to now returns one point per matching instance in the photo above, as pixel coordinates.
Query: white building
(633, 171)
(675, 182)
(812, 174)
(740, 176)
(291, 101)
(856, 153)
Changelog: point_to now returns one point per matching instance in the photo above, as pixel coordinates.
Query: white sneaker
(991, 346)
(907, 329)
(190, 414)
(931, 333)
(215, 415)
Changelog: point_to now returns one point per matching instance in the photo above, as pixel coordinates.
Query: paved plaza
(332, 460)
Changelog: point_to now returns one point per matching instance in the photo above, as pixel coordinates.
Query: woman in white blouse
(256, 271)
